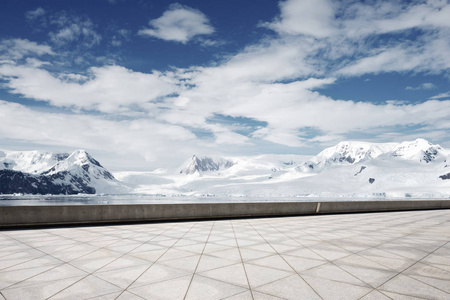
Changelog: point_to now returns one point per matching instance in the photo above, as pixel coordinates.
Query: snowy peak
(352, 152)
(35, 172)
(419, 150)
(80, 164)
(204, 164)
(81, 157)
(33, 162)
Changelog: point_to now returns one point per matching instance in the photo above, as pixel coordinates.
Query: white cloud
(361, 19)
(32, 15)
(274, 83)
(36, 63)
(347, 34)
(226, 136)
(441, 96)
(108, 89)
(15, 49)
(179, 23)
(422, 56)
(120, 36)
(127, 138)
(74, 30)
(288, 108)
(432, 13)
(309, 17)
(423, 86)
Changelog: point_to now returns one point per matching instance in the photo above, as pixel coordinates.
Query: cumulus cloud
(179, 23)
(106, 89)
(274, 84)
(309, 17)
(348, 34)
(140, 136)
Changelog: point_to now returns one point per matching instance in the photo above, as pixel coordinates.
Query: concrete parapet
(44, 215)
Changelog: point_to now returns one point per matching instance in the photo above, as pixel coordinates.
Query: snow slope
(349, 169)
(36, 172)
(34, 162)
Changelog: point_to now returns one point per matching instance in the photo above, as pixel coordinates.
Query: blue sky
(146, 84)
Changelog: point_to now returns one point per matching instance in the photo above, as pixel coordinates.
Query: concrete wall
(14, 216)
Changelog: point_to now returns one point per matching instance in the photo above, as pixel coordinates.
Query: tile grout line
(357, 252)
(91, 273)
(62, 261)
(419, 261)
(397, 293)
(398, 238)
(370, 246)
(126, 253)
(198, 262)
(403, 237)
(326, 261)
(242, 260)
(401, 272)
(277, 253)
(126, 289)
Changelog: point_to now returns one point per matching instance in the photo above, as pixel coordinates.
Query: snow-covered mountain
(205, 164)
(36, 172)
(34, 162)
(349, 169)
(353, 152)
(412, 169)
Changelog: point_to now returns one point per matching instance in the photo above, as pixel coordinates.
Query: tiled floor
(399, 255)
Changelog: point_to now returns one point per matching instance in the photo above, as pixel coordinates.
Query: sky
(143, 85)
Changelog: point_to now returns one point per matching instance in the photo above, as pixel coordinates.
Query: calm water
(8, 200)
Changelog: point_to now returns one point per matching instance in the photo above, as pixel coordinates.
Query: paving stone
(208, 262)
(207, 288)
(241, 296)
(397, 255)
(10, 278)
(41, 290)
(409, 286)
(122, 277)
(292, 287)
(274, 261)
(168, 289)
(126, 296)
(258, 275)
(375, 295)
(300, 264)
(234, 274)
(329, 289)
(157, 273)
(262, 296)
(87, 287)
(250, 254)
(55, 273)
(333, 272)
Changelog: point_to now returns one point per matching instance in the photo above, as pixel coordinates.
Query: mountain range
(349, 169)
(39, 172)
